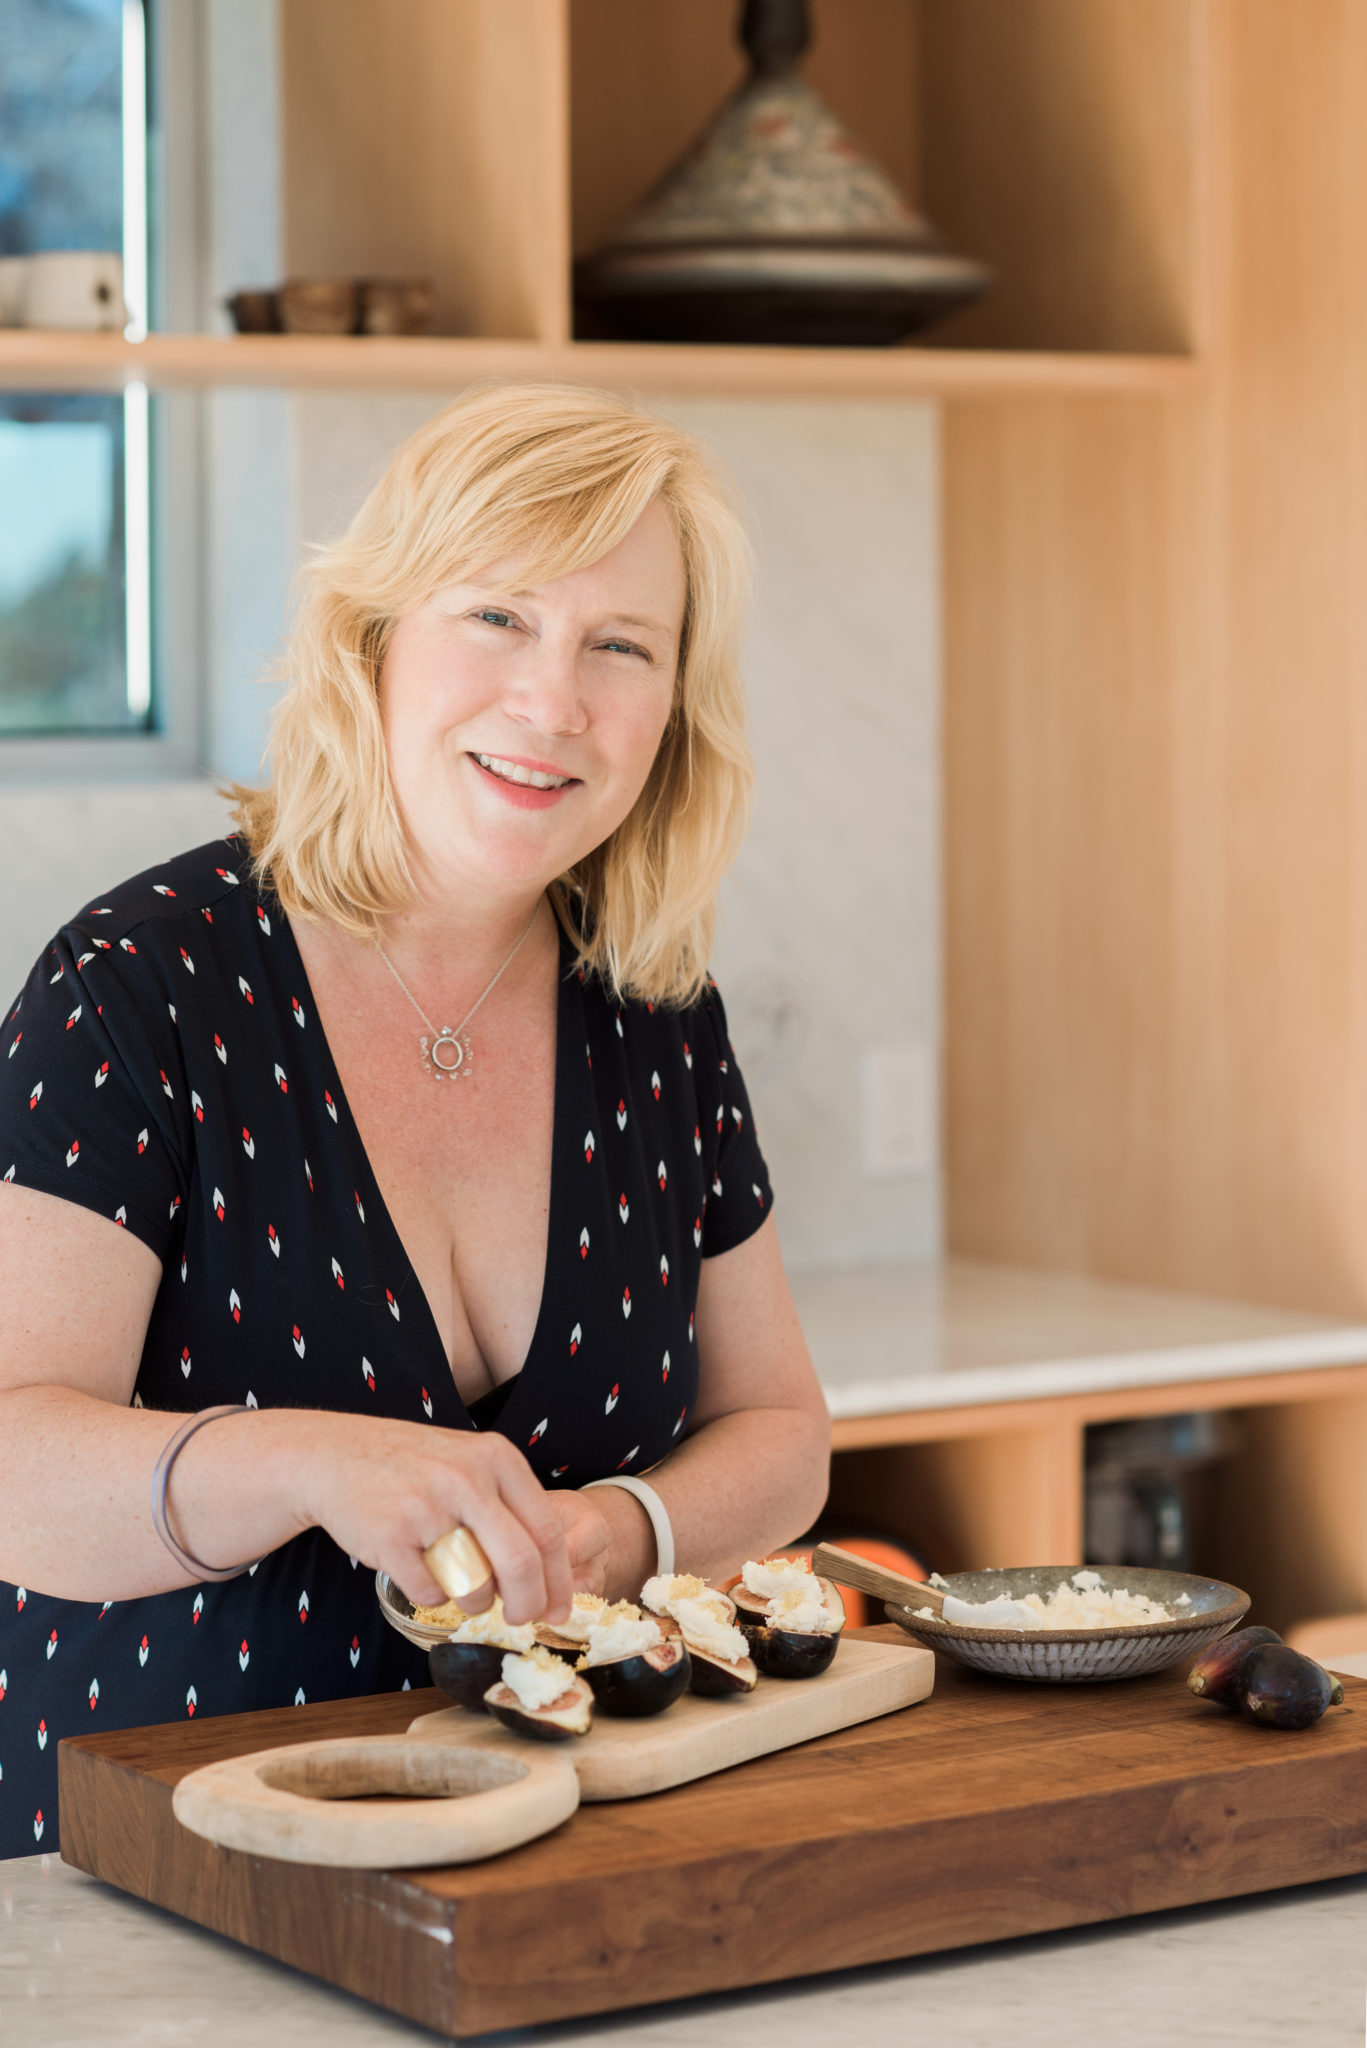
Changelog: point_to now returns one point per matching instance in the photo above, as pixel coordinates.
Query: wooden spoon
(830, 1562)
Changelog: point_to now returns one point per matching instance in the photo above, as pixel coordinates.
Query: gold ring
(458, 1564)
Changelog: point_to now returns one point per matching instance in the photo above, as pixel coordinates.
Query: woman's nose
(547, 691)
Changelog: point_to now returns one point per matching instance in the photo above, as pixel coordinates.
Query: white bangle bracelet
(659, 1517)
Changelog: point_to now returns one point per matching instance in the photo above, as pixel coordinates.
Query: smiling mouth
(526, 778)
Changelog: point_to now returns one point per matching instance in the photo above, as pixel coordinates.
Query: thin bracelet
(161, 1478)
(656, 1509)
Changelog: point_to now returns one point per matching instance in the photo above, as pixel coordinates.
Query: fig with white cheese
(791, 1618)
(472, 1660)
(537, 1696)
(634, 1667)
(721, 1662)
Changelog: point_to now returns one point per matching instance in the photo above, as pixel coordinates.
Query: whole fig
(1215, 1675)
(1279, 1688)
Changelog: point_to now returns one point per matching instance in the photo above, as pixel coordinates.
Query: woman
(404, 1125)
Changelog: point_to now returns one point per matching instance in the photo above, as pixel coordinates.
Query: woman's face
(522, 723)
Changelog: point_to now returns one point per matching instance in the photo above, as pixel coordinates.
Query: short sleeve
(88, 1095)
(739, 1197)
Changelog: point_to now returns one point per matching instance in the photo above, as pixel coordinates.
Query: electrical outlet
(897, 1105)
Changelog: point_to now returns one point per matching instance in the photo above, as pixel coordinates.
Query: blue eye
(495, 618)
(625, 647)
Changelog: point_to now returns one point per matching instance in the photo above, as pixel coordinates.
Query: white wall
(60, 847)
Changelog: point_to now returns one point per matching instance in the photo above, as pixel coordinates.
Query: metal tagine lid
(777, 226)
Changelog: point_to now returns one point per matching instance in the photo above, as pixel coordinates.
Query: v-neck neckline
(565, 984)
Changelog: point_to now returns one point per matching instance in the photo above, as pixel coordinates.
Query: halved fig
(1215, 1674)
(465, 1671)
(785, 1653)
(569, 1714)
(632, 1687)
(714, 1678)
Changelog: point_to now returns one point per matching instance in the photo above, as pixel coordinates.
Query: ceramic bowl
(397, 1610)
(1079, 1656)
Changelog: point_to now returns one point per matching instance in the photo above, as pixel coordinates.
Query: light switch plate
(897, 1108)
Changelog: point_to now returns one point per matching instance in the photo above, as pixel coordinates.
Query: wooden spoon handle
(830, 1562)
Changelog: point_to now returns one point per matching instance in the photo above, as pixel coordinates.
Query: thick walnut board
(991, 1810)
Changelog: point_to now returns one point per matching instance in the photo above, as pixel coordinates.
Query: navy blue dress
(164, 1067)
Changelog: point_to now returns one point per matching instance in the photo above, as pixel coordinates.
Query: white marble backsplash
(61, 846)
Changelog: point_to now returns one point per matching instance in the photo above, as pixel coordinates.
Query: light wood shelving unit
(32, 360)
(484, 143)
(1155, 512)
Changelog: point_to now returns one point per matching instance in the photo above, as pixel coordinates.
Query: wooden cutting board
(990, 1810)
(627, 1759)
(460, 1787)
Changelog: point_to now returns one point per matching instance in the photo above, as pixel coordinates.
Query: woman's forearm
(743, 1485)
(75, 1492)
(76, 1480)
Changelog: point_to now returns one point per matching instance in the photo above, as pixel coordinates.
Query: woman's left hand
(587, 1538)
(609, 1538)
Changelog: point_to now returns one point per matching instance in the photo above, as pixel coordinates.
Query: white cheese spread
(622, 1636)
(659, 1594)
(491, 1627)
(1079, 1602)
(587, 1610)
(538, 1678)
(803, 1612)
(772, 1576)
(707, 1626)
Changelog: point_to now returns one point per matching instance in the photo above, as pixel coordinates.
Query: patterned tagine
(777, 226)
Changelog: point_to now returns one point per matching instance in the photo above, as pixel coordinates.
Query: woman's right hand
(384, 1490)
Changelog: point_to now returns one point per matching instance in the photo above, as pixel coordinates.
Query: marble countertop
(890, 1338)
(82, 1965)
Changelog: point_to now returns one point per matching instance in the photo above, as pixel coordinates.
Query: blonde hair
(556, 476)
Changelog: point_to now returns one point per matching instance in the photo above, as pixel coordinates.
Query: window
(75, 571)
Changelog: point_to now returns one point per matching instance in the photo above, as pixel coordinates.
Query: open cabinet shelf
(53, 362)
(485, 143)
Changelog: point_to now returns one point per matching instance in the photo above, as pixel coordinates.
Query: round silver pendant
(446, 1057)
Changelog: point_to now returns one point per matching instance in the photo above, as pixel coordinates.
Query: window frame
(172, 749)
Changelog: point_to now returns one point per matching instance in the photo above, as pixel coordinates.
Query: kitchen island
(81, 1965)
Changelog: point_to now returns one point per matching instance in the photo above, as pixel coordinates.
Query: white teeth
(509, 771)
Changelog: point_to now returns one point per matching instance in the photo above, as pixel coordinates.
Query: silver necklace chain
(447, 1055)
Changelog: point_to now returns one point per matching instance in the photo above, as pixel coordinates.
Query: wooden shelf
(36, 361)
